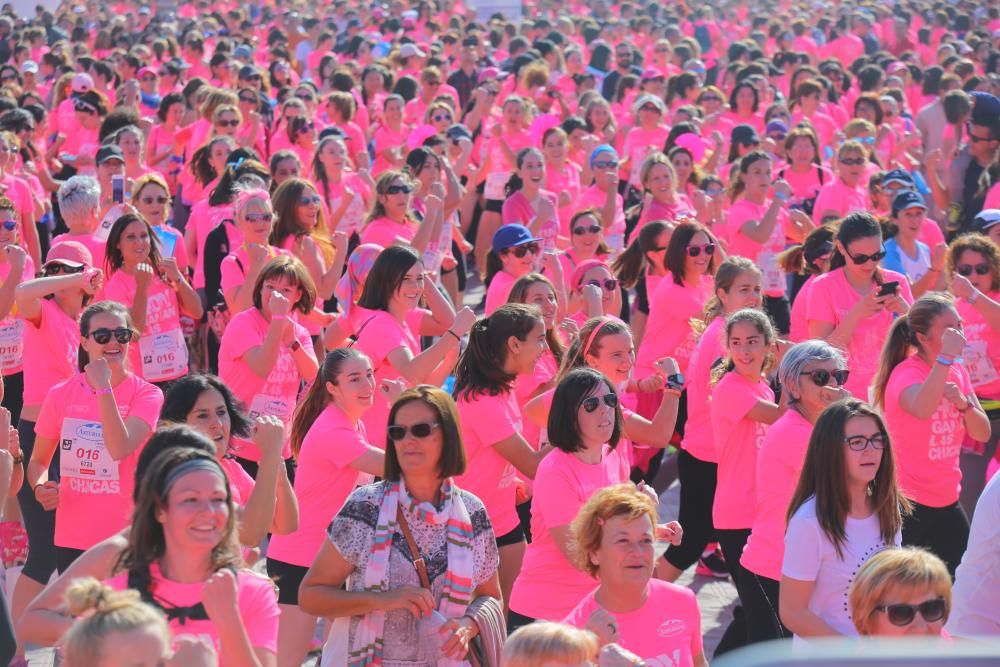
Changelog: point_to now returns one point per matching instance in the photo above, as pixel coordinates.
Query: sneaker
(712, 565)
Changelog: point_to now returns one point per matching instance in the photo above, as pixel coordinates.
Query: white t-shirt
(915, 267)
(974, 608)
(811, 556)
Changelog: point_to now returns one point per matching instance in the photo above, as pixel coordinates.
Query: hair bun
(90, 595)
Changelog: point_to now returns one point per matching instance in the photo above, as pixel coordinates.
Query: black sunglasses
(861, 259)
(592, 229)
(305, 97)
(903, 614)
(421, 430)
(56, 269)
(590, 404)
(967, 269)
(249, 100)
(852, 161)
(610, 284)
(103, 336)
(522, 250)
(398, 190)
(695, 250)
(228, 123)
(821, 377)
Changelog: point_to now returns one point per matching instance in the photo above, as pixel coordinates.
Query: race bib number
(164, 355)
(11, 343)
(276, 406)
(82, 451)
(978, 363)
(495, 184)
(774, 277)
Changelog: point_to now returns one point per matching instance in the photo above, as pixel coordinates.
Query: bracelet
(102, 392)
(672, 392)
(457, 337)
(19, 459)
(968, 404)
(781, 196)
(974, 298)
(944, 361)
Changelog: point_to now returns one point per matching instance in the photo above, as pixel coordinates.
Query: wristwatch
(295, 345)
(674, 381)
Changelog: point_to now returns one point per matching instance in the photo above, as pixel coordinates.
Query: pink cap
(582, 268)
(693, 143)
(70, 253)
(146, 70)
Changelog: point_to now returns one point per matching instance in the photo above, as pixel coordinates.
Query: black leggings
(780, 312)
(732, 541)
(698, 480)
(516, 620)
(39, 524)
(944, 531)
(13, 395)
(65, 557)
(759, 597)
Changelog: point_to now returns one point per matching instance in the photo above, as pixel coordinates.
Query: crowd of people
(258, 407)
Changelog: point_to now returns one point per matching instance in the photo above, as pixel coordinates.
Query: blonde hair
(105, 610)
(544, 642)
(889, 570)
(587, 529)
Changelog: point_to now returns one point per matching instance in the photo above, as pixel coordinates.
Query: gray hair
(798, 356)
(79, 197)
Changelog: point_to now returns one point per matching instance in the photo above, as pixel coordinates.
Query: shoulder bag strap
(418, 559)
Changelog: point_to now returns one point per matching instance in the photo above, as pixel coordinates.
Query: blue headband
(603, 148)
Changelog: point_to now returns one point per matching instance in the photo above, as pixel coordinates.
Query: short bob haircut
(287, 266)
(184, 392)
(890, 570)
(386, 275)
(563, 425)
(548, 643)
(587, 529)
(676, 255)
(796, 358)
(452, 461)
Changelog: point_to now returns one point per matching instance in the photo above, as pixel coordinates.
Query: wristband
(968, 404)
(19, 459)
(781, 196)
(102, 392)
(457, 337)
(944, 361)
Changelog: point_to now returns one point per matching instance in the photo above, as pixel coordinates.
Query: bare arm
(793, 607)
(516, 450)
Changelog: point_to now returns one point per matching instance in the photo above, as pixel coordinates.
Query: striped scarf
(458, 584)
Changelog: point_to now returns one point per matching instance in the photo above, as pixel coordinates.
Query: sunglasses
(649, 107)
(306, 97)
(522, 250)
(56, 269)
(149, 201)
(163, 73)
(438, 119)
(861, 259)
(606, 164)
(580, 231)
(421, 430)
(103, 336)
(903, 614)
(306, 200)
(308, 127)
(821, 377)
(610, 284)
(80, 105)
(777, 136)
(859, 443)
(248, 100)
(11, 225)
(147, 79)
(695, 250)
(228, 123)
(590, 404)
(259, 217)
(852, 161)
(710, 98)
(398, 190)
(965, 269)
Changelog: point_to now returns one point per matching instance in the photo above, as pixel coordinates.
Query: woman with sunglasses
(440, 116)
(396, 607)
(901, 593)
(99, 419)
(156, 293)
(586, 241)
(805, 262)
(853, 305)
(929, 406)
(251, 132)
(151, 198)
(226, 121)
(347, 193)
(593, 292)
(391, 219)
(265, 353)
(15, 266)
(847, 192)
(239, 270)
(974, 266)
(758, 226)
(603, 195)
(846, 507)
(584, 426)
(333, 455)
(77, 144)
(515, 253)
(302, 137)
(779, 463)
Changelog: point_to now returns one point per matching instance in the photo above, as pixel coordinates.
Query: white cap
(82, 83)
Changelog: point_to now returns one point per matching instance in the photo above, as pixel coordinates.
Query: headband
(593, 335)
(191, 465)
(244, 196)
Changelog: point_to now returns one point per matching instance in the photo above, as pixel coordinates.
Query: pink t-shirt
(203, 220)
(779, 463)
(699, 438)
(385, 232)
(487, 420)
(566, 180)
(806, 184)
(594, 197)
(681, 207)
(549, 586)
(830, 299)
(90, 242)
(668, 330)
(234, 267)
(838, 198)
(640, 143)
(764, 255)
(665, 630)
(95, 491)
(498, 292)
(12, 327)
(737, 441)
(50, 351)
(240, 483)
(982, 350)
(257, 600)
(161, 352)
(927, 450)
(322, 483)
(800, 325)
(387, 138)
(272, 395)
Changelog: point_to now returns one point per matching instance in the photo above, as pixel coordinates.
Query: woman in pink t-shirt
(347, 194)
(390, 137)
(152, 199)
(805, 173)
(737, 286)
(514, 253)
(562, 175)
(659, 180)
(585, 426)
(742, 409)
(779, 463)
(642, 266)
(527, 203)
(333, 455)
(603, 195)
(586, 238)
(501, 347)
(98, 419)
(744, 106)
(265, 354)
(615, 536)
(848, 192)
(391, 220)
(846, 306)
(155, 291)
(15, 266)
(929, 406)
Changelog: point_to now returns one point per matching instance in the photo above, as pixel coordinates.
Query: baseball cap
(776, 126)
(146, 70)
(29, 66)
(109, 152)
(509, 236)
(70, 253)
(243, 52)
(897, 176)
(650, 74)
(491, 73)
(907, 199)
(985, 219)
(643, 100)
(411, 50)
(458, 131)
(745, 134)
(82, 83)
(247, 72)
(985, 109)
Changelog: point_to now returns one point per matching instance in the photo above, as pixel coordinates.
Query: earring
(868, 488)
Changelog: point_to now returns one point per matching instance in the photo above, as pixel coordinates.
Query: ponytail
(493, 266)
(731, 269)
(629, 266)
(480, 369)
(514, 183)
(317, 398)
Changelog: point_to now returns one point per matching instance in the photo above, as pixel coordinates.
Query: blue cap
(897, 176)
(985, 109)
(907, 199)
(509, 236)
(603, 148)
